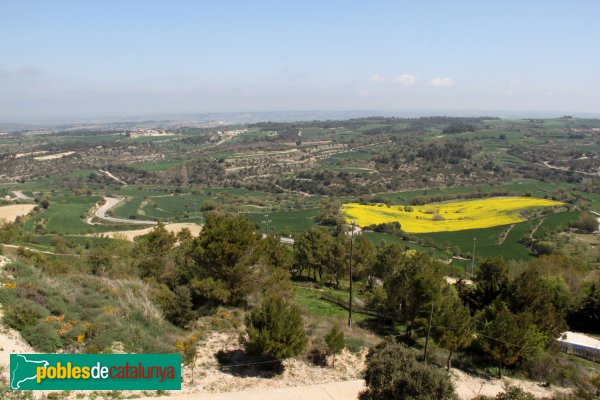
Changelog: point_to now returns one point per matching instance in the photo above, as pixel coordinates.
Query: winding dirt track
(110, 202)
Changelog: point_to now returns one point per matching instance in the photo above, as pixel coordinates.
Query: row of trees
(505, 318)
(508, 318)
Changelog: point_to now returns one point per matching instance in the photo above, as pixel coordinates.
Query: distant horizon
(65, 60)
(245, 117)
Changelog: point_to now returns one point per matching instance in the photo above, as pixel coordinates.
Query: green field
(65, 217)
(159, 165)
(556, 221)
(310, 299)
(296, 221)
(486, 243)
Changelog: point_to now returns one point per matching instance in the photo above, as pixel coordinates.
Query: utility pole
(428, 332)
(266, 222)
(473, 259)
(350, 300)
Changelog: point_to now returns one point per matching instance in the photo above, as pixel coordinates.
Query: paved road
(347, 390)
(110, 202)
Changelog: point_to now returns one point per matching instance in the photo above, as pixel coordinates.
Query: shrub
(393, 373)
(23, 314)
(42, 336)
(275, 329)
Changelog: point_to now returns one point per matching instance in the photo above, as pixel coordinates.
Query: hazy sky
(98, 58)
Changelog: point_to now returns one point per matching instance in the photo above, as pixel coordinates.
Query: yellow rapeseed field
(449, 216)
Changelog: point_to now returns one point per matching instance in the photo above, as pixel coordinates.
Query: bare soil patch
(175, 228)
(10, 213)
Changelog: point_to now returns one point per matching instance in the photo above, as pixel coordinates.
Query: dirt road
(110, 202)
(347, 390)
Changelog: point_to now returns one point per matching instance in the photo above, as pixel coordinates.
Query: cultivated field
(10, 213)
(131, 235)
(450, 216)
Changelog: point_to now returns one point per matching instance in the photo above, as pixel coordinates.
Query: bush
(23, 314)
(275, 329)
(393, 373)
(587, 223)
(42, 336)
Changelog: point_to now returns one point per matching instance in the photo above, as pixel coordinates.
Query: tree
(181, 311)
(587, 223)
(507, 337)
(492, 281)
(336, 263)
(393, 373)
(545, 297)
(275, 329)
(335, 341)
(208, 205)
(312, 252)
(452, 324)
(386, 258)
(585, 314)
(225, 254)
(329, 215)
(416, 280)
(363, 257)
(154, 252)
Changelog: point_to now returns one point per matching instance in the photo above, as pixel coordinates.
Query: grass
(296, 221)
(310, 299)
(486, 241)
(555, 222)
(84, 311)
(65, 217)
(449, 216)
(159, 165)
(128, 207)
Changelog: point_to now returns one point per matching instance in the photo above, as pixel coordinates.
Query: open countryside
(386, 200)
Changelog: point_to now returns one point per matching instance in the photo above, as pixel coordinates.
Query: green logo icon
(95, 372)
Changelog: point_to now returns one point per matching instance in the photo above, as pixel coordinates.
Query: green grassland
(556, 221)
(294, 222)
(486, 241)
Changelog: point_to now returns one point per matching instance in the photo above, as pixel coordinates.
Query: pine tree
(335, 341)
(275, 329)
(452, 324)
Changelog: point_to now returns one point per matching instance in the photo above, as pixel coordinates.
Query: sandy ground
(175, 228)
(10, 213)
(33, 153)
(54, 156)
(327, 391)
(302, 380)
(468, 386)
(113, 177)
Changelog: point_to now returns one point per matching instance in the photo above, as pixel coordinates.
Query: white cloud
(404, 79)
(441, 82)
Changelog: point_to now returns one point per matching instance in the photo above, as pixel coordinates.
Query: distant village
(147, 132)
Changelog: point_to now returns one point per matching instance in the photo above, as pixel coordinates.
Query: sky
(65, 59)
